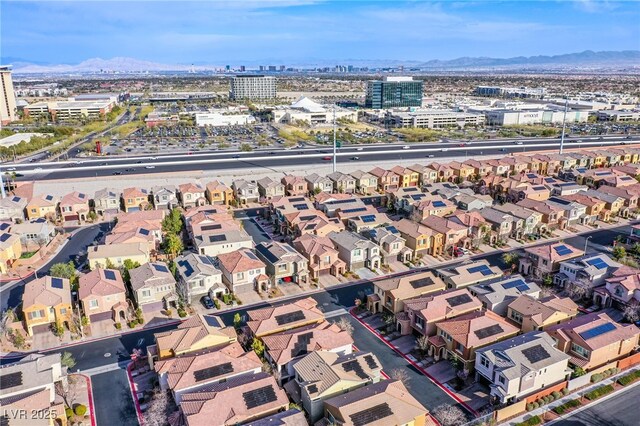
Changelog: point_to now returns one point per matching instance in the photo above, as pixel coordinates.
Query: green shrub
(68, 412)
(133, 323)
(565, 391)
(227, 298)
(566, 406)
(182, 313)
(596, 378)
(118, 325)
(599, 392)
(140, 320)
(556, 395)
(217, 303)
(80, 410)
(536, 405)
(629, 378)
(531, 421)
(529, 407)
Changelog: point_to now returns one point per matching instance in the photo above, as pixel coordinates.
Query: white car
(444, 149)
(359, 149)
(11, 169)
(518, 142)
(150, 167)
(406, 147)
(37, 169)
(153, 158)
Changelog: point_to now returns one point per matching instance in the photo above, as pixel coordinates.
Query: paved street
(112, 395)
(620, 410)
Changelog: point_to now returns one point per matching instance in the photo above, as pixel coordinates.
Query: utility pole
(564, 122)
(2, 184)
(334, 138)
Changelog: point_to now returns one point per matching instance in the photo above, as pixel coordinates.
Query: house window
(94, 303)
(501, 379)
(146, 293)
(327, 259)
(419, 322)
(580, 350)
(445, 336)
(240, 275)
(460, 347)
(36, 314)
(63, 311)
(516, 316)
(484, 362)
(618, 291)
(357, 252)
(282, 268)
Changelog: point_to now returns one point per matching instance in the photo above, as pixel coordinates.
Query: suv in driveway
(207, 302)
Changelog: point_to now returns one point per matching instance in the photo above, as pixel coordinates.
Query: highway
(274, 158)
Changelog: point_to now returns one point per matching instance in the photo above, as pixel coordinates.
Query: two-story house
(283, 263)
(355, 250)
(164, 197)
(135, 199)
(191, 195)
(391, 243)
(245, 192)
(294, 185)
(366, 183)
(198, 276)
(46, 301)
(537, 314)
(496, 295)
(242, 271)
(620, 290)
(278, 319)
(106, 200)
(343, 183)
(545, 259)
(389, 294)
(420, 239)
(219, 193)
(42, 207)
(387, 179)
(317, 183)
(589, 271)
(13, 208)
(269, 188)
(103, 296)
(322, 257)
(153, 286)
(74, 207)
(469, 274)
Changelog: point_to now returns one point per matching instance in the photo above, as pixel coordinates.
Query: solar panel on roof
(538, 188)
(49, 197)
(301, 206)
(4, 237)
(264, 251)
(439, 204)
(412, 189)
(57, 283)
(371, 363)
(562, 250)
(15, 199)
(212, 321)
(483, 269)
(250, 255)
(549, 180)
(81, 196)
(312, 388)
(257, 397)
(392, 229)
(492, 330)
(188, 270)
(110, 275)
(211, 227)
(417, 197)
(519, 284)
(310, 226)
(460, 299)
(334, 202)
(371, 414)
(422, 282)
(4, 226)
(355, 367)
(535, 354)
(602, 173)
(368, 218)
(289, 317)
(211, 372)
(302, 344)
(11, 380)
(296, 200)
(305, 218)
(355, 210)
(159, 268)
(597, 263)
(205, 259)
(597, 331)
(144, 231)
(217, 238)
(560, 201)
(532, 176)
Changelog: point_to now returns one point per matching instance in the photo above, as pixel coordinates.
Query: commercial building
(511, 92)
(308, 110)
(7, 96)
(393, 92)
(70, 110)
(505, 117)
(433, 119)
(253, 87)
(217, 119)
(618, 115)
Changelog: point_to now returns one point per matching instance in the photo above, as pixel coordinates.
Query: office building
(394, 92)
(253, 87)
(434, 119)
(511, 92)
(305, 109)
(70, 110)
(8, 96)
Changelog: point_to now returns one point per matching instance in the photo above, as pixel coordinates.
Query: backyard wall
(545, 392)
(510, 411)
(629, 361)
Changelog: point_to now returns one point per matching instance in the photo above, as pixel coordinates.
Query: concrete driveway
(442, 371)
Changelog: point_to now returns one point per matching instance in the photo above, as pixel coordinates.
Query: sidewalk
(576, 395)
(81, 393)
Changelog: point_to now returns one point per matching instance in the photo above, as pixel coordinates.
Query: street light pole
(586, 242)
(564, 123)
(334, 138)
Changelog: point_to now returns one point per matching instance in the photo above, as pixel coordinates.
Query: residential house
(283, 263)
(10, 250)
(196, 334)
(245, 192)
(419, 238)
(13, 208)
(629, 194)
(360, 223)
(462, 171)
(552, 215)
(164, 197)
(613, 204)
(317, 183)
(240, 400)
(42, 207)
(469, 274)
(408, 177)
(34, 234)
(390, 294)
(480, 168)
(140, 235)
(472, 202)
(343, 183)
(101, 255)
(355, 250)
(574, 212)
(283, 350)
(322, 375)
(621, 289)
(460, 337)
(391, 243)
(387, 179)
(199, 276)
(242, 271)
(294, 185)
(153, 286)
(74, 207)
(421, 314)
(106, 200)
(546, 259)
(219, 193)
(403, 199)
(521, 366)
(589, 270)
(269, 188)
(135, 199)
(498, 294)
(150, 220)
(390, 399)
(46, 301)
(563, 189)
(444, 172)
(366, 183)
(192, 373)
(594, 339)
(433, 207)
(426, 175)
(477, 226)
(595, 209)
(537, 314)
(322, 258)
(103, 296)
(454, 234)
(531, 219)
(191, 195)
(278, 319)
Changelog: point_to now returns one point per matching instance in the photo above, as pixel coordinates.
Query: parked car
(207, 302)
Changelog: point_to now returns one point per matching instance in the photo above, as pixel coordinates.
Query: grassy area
(293, 135)
(420, 135)
(530, 131)
(531, 421)
(629, 378)
(599, 392)
(127, 128)
(561, 409)
(27, 254)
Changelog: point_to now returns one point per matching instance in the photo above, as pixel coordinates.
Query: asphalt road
(276, 158)
(621, 410)
(113, 403)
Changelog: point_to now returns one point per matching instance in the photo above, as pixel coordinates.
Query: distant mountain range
(607, 59)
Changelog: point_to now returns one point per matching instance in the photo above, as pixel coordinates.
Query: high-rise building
(7, 96)
(243, 68)
(394, 92)
(253, 87)
(272, 68)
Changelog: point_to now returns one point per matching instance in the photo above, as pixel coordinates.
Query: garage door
(102, 316)
(244, 288)
(153, 307)
(42, 328)
(71, 217)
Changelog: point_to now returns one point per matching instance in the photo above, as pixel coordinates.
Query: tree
(345, 325)
(237, 320)
(7, 318)
(632, 313)
(68, 391)
(578, 290)
(423, 344)
(400, 375)
(245, 147)
(67, 360)
(157, 413)
(547, 280)
(619, 252)
(128, 265)
(511, 259)
(109, 264)
(172, 245)
(172, 223)
(65, 270)
(449, 415)
(258, 347)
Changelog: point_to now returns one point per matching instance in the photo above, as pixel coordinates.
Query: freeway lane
(281, 158)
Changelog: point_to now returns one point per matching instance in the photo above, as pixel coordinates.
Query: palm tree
(511, 259)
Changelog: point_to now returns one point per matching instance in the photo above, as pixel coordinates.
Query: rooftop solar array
(597, 331)
(257, 397)
(289, 317)
(371, 415)
(371, 363)
(211, 372)
(4, 237)
(206, 260)
(15, 199)
(417, 197)
(49, 197)
(411, 189)
(492, 330)
(562, 250)
(250, 255)
(483, 269)
(160, 268)
(301, 207)
(212, 321)
(355, 210)
(312, 388)
(392, 229)
(110, 275)
(532, 175)
(519, 284)
(355, 367)
(560, 201)
(57, 283)
(296, 200)
(368, 218)
(305, 218)
(597, 263)
(4, 226)
(81, 196)
(535, 354)
(144, 231)
(310, 226)
(264, 251)
(211, 227)
(11, 380)
(439, 204)
(217, 238)
(301, 345)
(188, 270)
(334, 202)
(602, 173)
(458, 300)
(422, 282)
(549, 180)
(539, 188)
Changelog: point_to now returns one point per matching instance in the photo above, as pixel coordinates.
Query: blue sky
(299, 31)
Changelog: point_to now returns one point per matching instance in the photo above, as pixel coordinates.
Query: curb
(133, 394)
(90, 392)
(429, 376)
